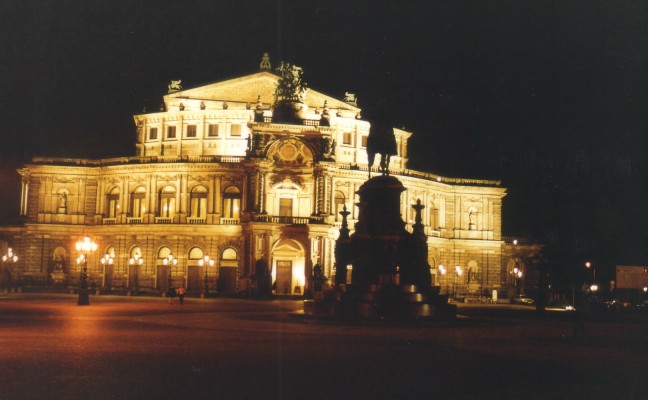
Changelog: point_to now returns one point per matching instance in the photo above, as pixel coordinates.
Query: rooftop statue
(290, 85)
(265, 62)
(175, 86)
(350, 98)
(381, 140)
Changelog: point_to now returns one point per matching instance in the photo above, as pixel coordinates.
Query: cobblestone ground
(145, 348)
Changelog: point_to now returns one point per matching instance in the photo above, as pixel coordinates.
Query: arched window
(196, 253)
(112, 202)
(137, 203)
(229, 254)
(340, 200)
(163, 253)
(110, 251)
(136, 252)
(231, 202)
(198, 202)
(167, 202)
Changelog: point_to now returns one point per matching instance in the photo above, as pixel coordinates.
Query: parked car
(643, 306)
(559, 305)
(522, 299)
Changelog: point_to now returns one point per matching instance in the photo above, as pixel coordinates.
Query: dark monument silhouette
(381, 269)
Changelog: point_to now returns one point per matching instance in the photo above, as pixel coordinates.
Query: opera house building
(225, 181)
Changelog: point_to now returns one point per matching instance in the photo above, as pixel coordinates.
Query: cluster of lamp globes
(516, 272)
(10, 256)
(443, 270)
(85, 246)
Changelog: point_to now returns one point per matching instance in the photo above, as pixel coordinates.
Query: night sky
(550, 97)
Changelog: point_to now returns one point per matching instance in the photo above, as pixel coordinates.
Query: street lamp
(589, 265)
(9, 258)
(105, 260)
(206, 262)
(85, 246)
(443, 271)
(458, 272)
(517, 274)
(170, 260)
(134, 262)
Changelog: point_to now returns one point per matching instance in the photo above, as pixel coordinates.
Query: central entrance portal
(288, 267)
(284, 277)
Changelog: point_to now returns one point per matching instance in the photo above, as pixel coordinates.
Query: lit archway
(288, 267)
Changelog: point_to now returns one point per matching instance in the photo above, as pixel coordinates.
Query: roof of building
(248, 88)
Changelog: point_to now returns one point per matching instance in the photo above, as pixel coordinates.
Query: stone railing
(138, 160)
(277, 219)
(274, 219)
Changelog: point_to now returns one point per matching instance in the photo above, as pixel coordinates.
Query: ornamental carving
(291, 152)
(286, 177)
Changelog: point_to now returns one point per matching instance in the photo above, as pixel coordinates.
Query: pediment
(246, 89)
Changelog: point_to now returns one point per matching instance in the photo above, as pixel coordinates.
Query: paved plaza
(145, 348)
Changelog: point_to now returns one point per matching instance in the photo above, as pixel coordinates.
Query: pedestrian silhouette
(181, 294)
(171, 294)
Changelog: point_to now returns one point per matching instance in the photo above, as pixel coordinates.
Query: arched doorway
(228, 270)
(288, 267)
(194, 257)
(516, 272)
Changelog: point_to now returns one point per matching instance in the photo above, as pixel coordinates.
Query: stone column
(124, 200)
(24, 193)
(262, 193)
(101, 197)
(218, 193)
(210, 196)
(80, 197)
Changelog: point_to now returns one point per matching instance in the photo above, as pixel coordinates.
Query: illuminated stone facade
(213, 175)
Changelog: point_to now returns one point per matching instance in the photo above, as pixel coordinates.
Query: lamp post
(589, 265)
(134, 262)
(206, 262)
(85, 246)
(9, 259)
(170, 260)
(106, 260)
(458, 272)
(442, 271)
(517, 274)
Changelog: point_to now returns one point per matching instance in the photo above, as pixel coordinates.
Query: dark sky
(484, 85)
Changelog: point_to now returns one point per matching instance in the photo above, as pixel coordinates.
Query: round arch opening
(288, 267)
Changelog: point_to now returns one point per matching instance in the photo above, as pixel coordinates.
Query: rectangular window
(198, 207)
(171, 132)
(153, 134)
(346, 138)
(167, 205)
(231, 207)
(137, 205)
(213, 130)
(191, 131)
(364, 140)
(285, 207)
(235, 130)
